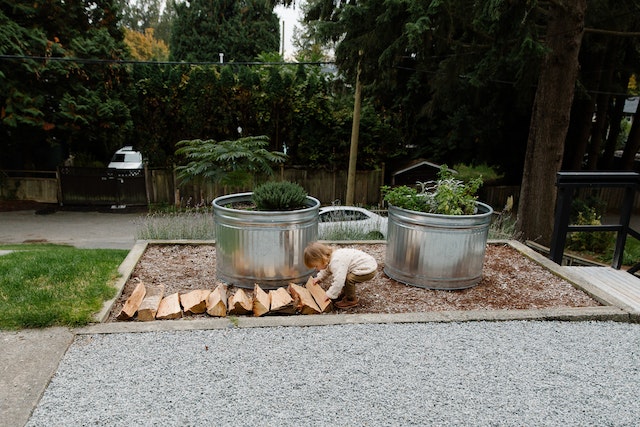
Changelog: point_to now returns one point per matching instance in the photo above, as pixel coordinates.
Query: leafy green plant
(279, 196)
(447, 195)
(631, 253)
(466, 173)
(586, 241)
(233, 162)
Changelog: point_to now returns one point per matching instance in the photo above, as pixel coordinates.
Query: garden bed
(510, 280)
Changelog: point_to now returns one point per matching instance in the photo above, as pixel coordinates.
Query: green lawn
(52, 285)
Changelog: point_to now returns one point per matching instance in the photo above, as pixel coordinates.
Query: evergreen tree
(50, 106)
(202, 29)
(139, 15)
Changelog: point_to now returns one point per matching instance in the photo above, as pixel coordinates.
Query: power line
(513, 82)
(135, 62)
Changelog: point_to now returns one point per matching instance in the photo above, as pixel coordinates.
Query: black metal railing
(568, 183)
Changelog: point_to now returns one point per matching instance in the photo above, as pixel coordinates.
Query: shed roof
(415, 165)
(631, 105)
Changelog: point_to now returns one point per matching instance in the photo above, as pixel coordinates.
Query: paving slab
(28, 360)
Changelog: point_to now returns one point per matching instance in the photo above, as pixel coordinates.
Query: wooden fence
(99, 187)
(328, 187)
(39, 186)
(68, 186)
(611, 198)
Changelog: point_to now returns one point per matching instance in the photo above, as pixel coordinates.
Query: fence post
(561, 222)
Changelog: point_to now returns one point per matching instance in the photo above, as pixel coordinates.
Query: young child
(348, 267)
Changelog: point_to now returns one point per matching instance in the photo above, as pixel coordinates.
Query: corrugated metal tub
(263, 247)
(437, 251)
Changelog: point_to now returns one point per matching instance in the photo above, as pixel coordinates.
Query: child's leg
(350, 290)
(350, 299)
(352, 279)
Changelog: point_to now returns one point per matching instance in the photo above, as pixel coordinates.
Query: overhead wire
(135, 62)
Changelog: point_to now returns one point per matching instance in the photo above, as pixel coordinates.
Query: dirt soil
(510, 280)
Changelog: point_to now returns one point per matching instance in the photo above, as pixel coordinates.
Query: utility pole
(282, 41)
(355, 133)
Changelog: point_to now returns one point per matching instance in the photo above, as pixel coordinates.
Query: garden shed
(417, 170)
(631, 105)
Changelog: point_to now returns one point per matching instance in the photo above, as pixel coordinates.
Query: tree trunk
(578, 134)
(550, 120)
(603, 110)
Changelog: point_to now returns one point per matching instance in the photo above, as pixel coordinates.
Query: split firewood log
(303, 300)
(195, 302)
(281, 302)
(169, 307)
(150, 303)
(133, 303)
(319, 295)
(217, 301)
(261, 301)
(240, 303)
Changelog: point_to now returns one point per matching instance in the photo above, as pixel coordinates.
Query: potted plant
(437, 235)
(261, 235)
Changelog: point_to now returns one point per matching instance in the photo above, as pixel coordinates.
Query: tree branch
(612, 32)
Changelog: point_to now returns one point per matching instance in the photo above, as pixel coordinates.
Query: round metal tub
(437, 251)
(263, 247)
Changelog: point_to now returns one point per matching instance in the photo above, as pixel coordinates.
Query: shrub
(467, 173)
(447, 195)
(585, 241)
(279, 196)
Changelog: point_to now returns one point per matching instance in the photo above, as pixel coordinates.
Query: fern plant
(233, 162)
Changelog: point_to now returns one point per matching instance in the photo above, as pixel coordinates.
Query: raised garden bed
(510, 280)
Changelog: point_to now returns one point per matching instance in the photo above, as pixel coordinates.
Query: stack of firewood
(150, 303)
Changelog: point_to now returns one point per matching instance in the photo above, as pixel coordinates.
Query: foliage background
(450, 81)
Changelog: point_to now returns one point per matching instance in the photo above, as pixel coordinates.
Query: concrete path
(80, 229)
(28, 360)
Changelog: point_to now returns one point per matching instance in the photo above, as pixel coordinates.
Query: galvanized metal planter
(264, 247)
(437, 251)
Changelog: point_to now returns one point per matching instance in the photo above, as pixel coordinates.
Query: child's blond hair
(315, 252)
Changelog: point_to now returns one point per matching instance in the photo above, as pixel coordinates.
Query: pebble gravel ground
(468, 374)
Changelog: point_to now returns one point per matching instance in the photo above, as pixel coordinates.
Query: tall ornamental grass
(189, 225)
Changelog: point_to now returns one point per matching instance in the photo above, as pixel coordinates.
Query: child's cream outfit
(348, 265)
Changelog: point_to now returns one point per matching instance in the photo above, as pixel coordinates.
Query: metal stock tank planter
(437, 251)
(437, 237)
(264, 247)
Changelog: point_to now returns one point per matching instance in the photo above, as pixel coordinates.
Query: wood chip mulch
(510, 280)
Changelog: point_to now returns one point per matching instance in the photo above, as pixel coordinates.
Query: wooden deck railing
(568, 183)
